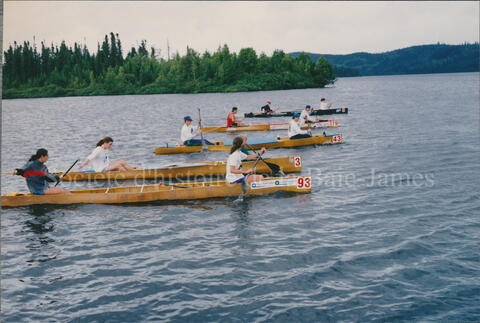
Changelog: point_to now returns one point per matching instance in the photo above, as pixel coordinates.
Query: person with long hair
(37, 175)
(235, 174)
(100, 160)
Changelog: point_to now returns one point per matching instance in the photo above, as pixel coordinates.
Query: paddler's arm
(255, 156)
(52, 177)
(233, 170)
(85, 162)
(18, 171)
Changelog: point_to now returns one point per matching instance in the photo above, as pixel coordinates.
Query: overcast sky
(319, 27)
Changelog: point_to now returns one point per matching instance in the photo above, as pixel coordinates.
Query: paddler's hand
(309, 130)
(263, 151)
(14, 172)
(249, 171)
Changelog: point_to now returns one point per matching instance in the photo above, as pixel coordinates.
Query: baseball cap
(187, 118)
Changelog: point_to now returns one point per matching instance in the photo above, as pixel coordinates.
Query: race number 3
(304, 182)
(337, 138)
(297, 161)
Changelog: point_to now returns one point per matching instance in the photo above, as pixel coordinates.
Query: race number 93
(297, 161)
(304, 182)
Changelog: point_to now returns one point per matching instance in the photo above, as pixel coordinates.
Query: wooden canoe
(270, 126)
(162, 192)
(255, 143)
(315, 112)
(187, 169)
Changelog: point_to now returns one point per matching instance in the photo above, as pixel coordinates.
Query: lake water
(389, 233)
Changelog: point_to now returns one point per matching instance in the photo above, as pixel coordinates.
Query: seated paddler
(306, 118)
(37, 175)
(266, 108)
(189, 132)
(232, 120)
(294, 130)
(234, 172)
(99, 159)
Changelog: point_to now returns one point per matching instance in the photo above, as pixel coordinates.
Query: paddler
(99, 159)
(244, 149)
(294, 131)
(305, 116)
(189, 132)
(324, 105)
(266, 108)
(37, 175)
(232, 121)
(235, 173)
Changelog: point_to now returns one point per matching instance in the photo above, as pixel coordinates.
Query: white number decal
(297, 161)
(337, 138)
(304, 182)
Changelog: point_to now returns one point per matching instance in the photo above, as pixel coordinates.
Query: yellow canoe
(188, 169)
(162, 192)
(271, 126)
(255, 143)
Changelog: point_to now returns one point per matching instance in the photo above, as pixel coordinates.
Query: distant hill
(423, 59)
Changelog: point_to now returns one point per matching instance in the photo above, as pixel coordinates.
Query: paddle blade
(274, 167)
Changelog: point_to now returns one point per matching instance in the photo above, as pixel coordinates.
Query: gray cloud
(321, 27)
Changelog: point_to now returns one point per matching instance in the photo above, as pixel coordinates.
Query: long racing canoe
(187, 169)
(162, 192)
(315, 112)
(255, 143)
(271, 126)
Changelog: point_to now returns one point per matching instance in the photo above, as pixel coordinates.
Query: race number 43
(297, 161)
(337, 138)
(304, 182)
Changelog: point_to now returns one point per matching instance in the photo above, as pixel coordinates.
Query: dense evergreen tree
(64, 71)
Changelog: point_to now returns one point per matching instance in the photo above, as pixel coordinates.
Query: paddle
(244, 183)
(201, 132)
(274, 167)
(173, 185)
(58, 181)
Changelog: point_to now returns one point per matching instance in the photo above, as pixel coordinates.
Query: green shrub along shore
(64, 71)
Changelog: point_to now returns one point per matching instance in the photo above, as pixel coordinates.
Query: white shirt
(324, 105)
(294, 129)
(306, 115)
(188, 132)
(99, 159)
(235, 160)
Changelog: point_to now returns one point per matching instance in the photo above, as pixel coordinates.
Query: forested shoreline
(421, 59)
(54, 71)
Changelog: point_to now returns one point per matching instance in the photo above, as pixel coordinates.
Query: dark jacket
(37, 176)
(266, 108)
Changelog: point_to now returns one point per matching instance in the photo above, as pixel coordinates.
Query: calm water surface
(389, 234)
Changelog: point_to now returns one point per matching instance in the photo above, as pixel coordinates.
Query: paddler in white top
(235, 174)
(294, 131)
(305, 116)
(100, 161)
(189, 132)
(324, 105)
